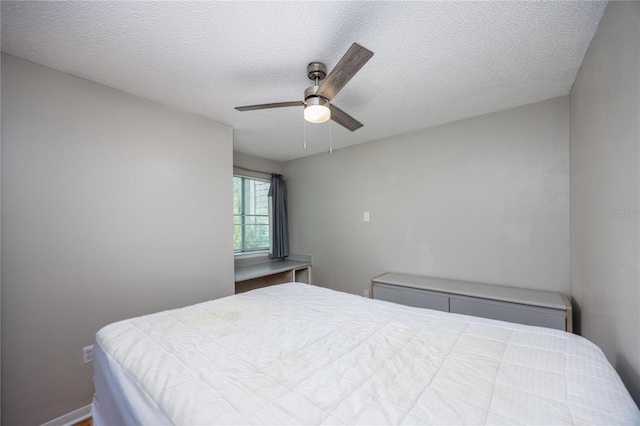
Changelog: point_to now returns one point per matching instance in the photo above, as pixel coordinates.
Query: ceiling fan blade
(347, 67)
(344, 119)
(267, 106)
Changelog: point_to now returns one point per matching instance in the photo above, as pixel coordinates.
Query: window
(250, 214)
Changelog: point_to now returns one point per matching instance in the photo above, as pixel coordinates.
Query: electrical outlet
(366, 292)
(87, 354)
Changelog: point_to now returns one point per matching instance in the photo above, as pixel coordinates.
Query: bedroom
(97, 229)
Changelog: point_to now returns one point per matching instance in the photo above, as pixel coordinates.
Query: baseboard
(71, 418)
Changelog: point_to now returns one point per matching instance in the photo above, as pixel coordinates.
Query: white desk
(260, 272)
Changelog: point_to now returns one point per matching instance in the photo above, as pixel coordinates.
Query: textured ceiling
(434, 62)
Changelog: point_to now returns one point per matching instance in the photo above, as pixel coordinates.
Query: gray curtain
(280, 218)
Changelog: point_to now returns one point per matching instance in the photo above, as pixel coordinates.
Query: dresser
(532, 307)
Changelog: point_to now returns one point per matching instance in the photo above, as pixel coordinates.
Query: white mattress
(300, 354)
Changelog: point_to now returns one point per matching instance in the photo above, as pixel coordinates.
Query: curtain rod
(251, 170)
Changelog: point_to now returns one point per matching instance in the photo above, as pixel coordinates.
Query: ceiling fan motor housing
(316, 71)
(310, 92)
(310, 97)
(316, 108)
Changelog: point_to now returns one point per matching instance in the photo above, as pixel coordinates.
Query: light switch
(366, 217)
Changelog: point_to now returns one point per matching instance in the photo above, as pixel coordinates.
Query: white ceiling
(434, 62)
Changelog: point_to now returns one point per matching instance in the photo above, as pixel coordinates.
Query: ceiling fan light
(317, 110)
(317, 113)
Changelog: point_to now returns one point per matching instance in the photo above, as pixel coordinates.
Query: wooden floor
(86, 422)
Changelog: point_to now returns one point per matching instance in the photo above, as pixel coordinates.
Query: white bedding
(300, 354)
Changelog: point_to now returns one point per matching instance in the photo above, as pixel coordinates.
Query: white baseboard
(71, 418)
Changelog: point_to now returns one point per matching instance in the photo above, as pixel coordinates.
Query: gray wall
(605, 191)
(112, 207)
(0, 259)
(483, 199)
(252, 165)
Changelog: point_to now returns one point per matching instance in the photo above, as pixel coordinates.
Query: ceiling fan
(317, 98)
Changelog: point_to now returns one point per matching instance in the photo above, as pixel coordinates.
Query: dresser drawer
(411, 297)
(521, 314)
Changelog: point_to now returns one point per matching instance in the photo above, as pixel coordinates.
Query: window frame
(243, 215)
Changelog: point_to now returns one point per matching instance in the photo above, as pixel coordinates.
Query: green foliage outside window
(250, 214)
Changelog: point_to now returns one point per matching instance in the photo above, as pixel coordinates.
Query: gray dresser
(533, 307)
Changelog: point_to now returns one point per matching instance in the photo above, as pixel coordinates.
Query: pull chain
(330, 138)
(304, 127)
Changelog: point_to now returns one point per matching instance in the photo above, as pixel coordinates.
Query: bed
(300, 354)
